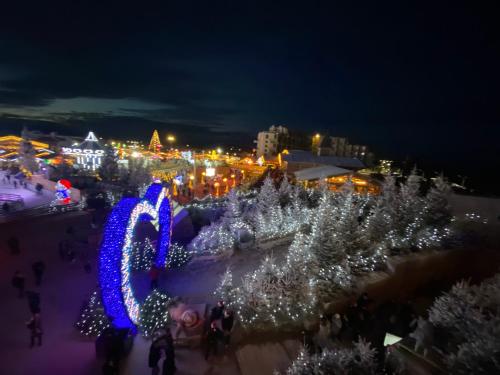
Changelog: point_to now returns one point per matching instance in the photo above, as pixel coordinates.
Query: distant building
(340, 146)
(296, 160)
(271, 142)
(88, 154)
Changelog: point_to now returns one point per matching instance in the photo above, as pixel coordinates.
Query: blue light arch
(116, 250)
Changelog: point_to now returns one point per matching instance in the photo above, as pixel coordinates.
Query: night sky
(417, 82)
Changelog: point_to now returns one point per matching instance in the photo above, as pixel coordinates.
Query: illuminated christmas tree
(178, 256)
(155, 144)
(93, 319)
(154, 312)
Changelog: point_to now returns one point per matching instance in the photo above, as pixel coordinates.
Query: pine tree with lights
(225, 290)
(154, 313)
(269, 217)
(468, 318)
(438, 207)
(93, 320)
(178, 256)
(233, 217)
(155, 144)
(285, 192)
(360, 359)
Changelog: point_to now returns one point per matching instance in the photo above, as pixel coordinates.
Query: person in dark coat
(154, 357)
(38, 269)
(35, 327)
(33, 301)
(217, 311)
(227, 324)
(13, 243)
(213, 336)
(169, 361)
(18, 282)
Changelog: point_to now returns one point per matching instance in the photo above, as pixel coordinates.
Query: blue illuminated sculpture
(116, 250)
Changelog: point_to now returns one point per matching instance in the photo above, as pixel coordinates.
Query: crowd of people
(34, 324)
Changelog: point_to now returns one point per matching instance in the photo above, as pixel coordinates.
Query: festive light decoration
(143, 254)
(93, 320)
(468, 318)
(155, 144)
(343, 235)
(358, 359)
(117, 247)
(154, 313)
(178, 256)
(88, 154)
(63, 192)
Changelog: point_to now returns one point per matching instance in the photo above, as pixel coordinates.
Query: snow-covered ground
(64, 288)
(30, 198)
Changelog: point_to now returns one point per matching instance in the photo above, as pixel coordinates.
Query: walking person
(38, 269)
(213, 336)
(169, 361)
(18, 282)
(217, 311)
(154, 357)
(33, 301)
(227, 326)
(35, 327)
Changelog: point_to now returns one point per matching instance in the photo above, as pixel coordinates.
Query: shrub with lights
(154, 313)
(143, 254)
(93, 320)
(178, 256)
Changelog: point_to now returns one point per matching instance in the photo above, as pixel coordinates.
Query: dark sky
(418, 81)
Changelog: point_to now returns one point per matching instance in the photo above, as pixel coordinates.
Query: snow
(31, 199)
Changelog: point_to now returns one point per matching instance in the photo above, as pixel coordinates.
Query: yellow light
(317, 136)
(219, 150)
(233, 176)
(191, 177)
(224, 179)
(170, 138)
(216, 184)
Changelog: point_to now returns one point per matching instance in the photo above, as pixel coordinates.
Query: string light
(116, 251)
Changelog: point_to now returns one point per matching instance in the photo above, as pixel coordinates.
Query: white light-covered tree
(178, 256)
(233, 219)
(212, 239)
(225, 290)
(285, 191)
(154, 313)
(269, 216)
(468, 317)
(358, 359)
(109, 169)
(438, 212)
(93, 320)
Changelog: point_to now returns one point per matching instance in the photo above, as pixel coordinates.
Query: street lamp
(170, 139)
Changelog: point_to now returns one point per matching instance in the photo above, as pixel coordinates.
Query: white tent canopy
(323, 171)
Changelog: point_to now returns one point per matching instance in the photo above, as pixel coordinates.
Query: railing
(38, 211)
